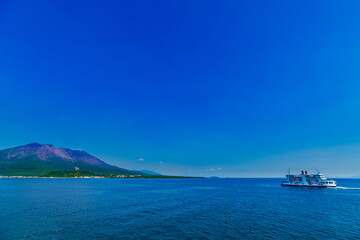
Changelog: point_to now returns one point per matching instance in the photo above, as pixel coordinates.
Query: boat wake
(351, 188)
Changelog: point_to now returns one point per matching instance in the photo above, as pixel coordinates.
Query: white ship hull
(299, 185)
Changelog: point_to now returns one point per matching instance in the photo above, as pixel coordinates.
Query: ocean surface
(176, 209)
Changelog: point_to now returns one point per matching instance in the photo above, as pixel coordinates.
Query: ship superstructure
(307, 180)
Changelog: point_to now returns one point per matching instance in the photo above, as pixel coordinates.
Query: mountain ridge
(38, 159)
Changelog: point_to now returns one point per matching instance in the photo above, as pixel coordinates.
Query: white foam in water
(348, 188)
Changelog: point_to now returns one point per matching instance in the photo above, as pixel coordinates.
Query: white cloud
(141, 159)
(212, 169)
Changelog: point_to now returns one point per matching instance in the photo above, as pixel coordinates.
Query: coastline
(121, 177)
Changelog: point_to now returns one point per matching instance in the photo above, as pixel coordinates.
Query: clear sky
(225, 88)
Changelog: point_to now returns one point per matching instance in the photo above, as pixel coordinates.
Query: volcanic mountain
(36, 159)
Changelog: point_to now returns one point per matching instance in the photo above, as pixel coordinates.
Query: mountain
(36, 159)
(148, 172)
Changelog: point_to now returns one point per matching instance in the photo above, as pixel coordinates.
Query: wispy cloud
(160, 162)
(212, 169)
(141, 159)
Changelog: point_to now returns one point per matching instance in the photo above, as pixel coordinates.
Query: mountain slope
(36, 159)
(148, 172)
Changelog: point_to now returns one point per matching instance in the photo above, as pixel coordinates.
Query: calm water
(176, 209)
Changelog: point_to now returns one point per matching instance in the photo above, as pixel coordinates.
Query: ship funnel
(305, 172)
(302, 172)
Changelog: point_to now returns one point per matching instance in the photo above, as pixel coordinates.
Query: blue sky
(226, 88)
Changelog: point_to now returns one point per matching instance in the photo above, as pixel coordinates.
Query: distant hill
(151, 173)
(39, 159)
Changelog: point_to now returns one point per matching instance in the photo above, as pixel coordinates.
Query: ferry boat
(307, 180)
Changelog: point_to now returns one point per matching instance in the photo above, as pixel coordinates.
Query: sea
(235, 208)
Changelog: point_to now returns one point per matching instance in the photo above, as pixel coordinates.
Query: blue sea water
(176, 209)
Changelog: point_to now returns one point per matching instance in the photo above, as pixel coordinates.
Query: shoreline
(127, 177)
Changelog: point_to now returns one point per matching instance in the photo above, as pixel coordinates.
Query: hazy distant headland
(45, 160)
